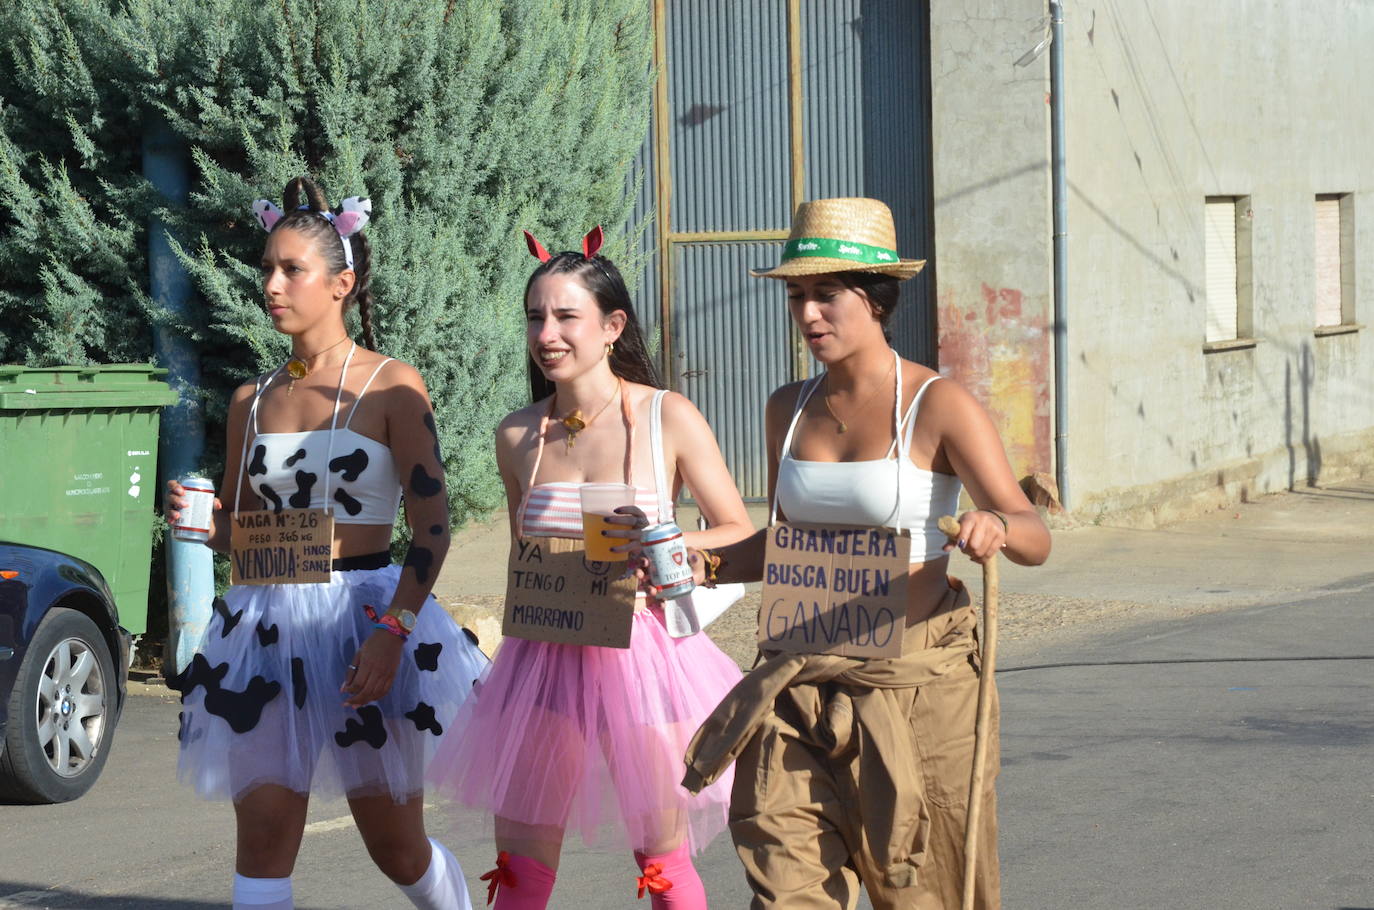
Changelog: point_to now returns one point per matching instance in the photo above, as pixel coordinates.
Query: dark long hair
(302, 191)
(630, 359)
(881, 291)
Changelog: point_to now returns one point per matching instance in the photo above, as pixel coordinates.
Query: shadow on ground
(14, 895)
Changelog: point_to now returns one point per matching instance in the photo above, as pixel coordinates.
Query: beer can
(197, 517)
(669, 570)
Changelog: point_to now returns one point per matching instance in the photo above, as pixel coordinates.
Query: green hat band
(829, 248)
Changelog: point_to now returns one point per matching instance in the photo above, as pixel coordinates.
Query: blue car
(63, 674)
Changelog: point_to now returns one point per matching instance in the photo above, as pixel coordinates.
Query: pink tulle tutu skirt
(591, 739)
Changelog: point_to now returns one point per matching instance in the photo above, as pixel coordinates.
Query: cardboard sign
(554, 593)
(830, 589)
(290, 547)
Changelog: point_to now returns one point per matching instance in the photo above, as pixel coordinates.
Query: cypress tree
(463, 122)
(72, 265)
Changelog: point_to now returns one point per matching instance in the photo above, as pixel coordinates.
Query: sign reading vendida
(290, 547)
(831, 589)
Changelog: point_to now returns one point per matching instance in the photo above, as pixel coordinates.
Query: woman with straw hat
(852, 770)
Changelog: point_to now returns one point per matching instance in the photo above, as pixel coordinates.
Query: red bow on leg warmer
(519, 883)
(671, 881)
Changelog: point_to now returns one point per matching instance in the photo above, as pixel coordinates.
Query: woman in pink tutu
(561, 736)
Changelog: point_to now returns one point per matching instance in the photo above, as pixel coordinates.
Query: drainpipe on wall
(1060, 194)
(190, 566)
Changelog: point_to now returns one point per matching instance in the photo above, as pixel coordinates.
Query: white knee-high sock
(442, 886)
(262, 893)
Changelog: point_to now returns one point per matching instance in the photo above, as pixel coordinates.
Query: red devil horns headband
(536, 248)
(591, 245)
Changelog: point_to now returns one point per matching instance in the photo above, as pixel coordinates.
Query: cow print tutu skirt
(261, 701)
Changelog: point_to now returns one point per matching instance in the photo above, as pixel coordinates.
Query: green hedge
(463, 122)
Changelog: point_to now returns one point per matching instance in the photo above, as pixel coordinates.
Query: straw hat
(842, 235)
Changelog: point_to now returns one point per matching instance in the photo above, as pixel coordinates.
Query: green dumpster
(78, 467)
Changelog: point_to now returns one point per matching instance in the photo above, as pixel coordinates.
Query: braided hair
(630, 357)
(304, 202)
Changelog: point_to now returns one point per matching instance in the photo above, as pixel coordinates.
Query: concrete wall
(990, 135)
(1170, 101)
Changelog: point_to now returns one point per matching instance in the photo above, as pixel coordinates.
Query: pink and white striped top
(555, 509)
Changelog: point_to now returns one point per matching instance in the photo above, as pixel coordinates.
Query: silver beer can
(669, 570)
(197, 518)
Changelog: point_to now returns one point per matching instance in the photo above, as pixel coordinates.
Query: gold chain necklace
(299, 368)
(825, 397)
(575, 422)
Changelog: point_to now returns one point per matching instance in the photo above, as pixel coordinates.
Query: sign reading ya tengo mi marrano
(290, 547)
(831, 589)
(554, 593)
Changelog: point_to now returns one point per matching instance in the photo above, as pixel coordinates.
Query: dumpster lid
(94, 386)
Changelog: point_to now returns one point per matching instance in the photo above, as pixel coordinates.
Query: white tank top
(338, 469)
(887, 492)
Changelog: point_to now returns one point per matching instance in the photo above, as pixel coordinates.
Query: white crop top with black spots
(341, 469)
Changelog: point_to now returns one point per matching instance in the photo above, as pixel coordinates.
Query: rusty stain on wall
(1000, 351)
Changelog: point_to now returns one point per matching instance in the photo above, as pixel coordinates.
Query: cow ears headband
(350, 220)
(591, 245)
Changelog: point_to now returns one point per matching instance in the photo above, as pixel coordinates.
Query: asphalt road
(1235, 781)
(1178, 766)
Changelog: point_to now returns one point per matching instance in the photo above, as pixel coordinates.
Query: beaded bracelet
(394, 627)
(712, 562)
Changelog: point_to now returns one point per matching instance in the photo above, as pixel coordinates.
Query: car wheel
(62, 712)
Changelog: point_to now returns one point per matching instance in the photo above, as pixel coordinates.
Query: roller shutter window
(1328, 260)
(1220, 225)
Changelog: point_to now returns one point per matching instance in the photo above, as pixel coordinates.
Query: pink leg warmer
(671, 880)
(519, 883)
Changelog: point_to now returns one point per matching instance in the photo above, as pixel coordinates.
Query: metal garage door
(761, 105)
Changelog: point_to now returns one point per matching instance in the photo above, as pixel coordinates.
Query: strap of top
(803, 396)
(656, 452)
(334, 421)
(910, 418)
(626, 415)
(896, 431)
(665, 505)
(258, 387)
(807, 389)
(359, 400)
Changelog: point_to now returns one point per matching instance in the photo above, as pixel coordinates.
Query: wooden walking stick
(980, 729)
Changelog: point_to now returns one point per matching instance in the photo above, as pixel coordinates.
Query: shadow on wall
(1146, 87)
(1299, 370)
(1311, 444)
(1147, 96)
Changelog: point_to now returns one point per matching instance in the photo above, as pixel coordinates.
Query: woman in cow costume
(341, 687)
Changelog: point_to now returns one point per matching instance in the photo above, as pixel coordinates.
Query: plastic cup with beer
(599, 502)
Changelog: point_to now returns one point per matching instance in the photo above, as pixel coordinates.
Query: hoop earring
(610, 348)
